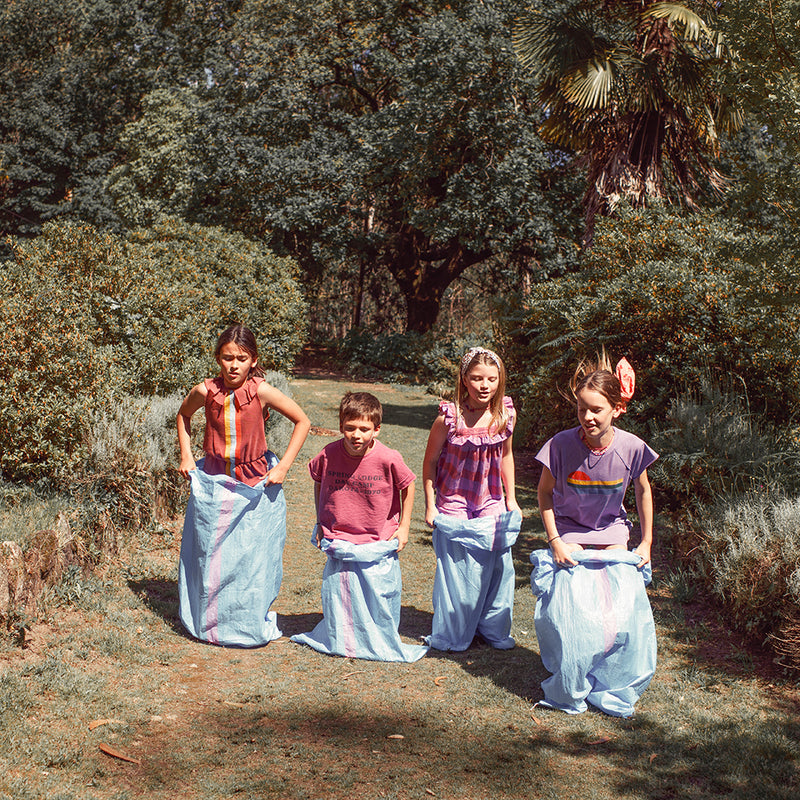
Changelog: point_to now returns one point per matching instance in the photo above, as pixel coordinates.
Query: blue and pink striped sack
(231, 562)
(361, 587)
(595, 630)
(473, 588)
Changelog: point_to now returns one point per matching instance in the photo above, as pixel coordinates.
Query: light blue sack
(473, 589)
(231, 561)
(595, 630)
(361, 588)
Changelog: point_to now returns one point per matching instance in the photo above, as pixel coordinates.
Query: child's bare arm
(561, 552)
(404, 528)
(508, 476)
(644, 505)
(194, 401)
(436, 440)
(274, 398)
(316, 506)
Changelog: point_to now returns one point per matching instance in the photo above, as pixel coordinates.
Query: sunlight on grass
(206, 723)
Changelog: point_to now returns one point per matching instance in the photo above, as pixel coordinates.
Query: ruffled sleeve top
(235, 443)
(468, 475)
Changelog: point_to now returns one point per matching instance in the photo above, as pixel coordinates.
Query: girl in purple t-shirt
(587, 469)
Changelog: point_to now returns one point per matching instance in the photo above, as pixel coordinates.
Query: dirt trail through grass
(182, 720)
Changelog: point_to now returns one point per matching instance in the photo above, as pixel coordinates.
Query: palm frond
(549, 45)
(590, 84)
(694, 26)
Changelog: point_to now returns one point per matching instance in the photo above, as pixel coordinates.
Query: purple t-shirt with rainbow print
(590, 489)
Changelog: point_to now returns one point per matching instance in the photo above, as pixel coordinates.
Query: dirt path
(202, 722)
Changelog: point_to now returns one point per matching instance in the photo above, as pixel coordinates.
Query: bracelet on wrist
(553, 539)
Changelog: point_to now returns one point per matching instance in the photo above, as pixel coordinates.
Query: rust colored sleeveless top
(235, 443)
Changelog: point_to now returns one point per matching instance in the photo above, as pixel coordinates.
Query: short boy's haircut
(356, 405)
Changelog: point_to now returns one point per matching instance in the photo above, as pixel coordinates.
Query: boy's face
(358, 436)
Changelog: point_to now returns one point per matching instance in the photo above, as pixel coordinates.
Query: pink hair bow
(627, 380)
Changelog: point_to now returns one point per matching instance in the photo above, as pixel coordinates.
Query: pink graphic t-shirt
(359, 497)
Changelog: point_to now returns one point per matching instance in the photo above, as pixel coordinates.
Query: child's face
(358, 436)
(481, 384)
(595, 414)
(235, 365)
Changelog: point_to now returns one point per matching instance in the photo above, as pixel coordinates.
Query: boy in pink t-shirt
(364, 493)
(363, 490)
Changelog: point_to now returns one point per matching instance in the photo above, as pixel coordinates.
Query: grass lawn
(111, 699)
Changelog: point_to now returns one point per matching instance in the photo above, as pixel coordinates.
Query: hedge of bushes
(90, 318)
(684, 298)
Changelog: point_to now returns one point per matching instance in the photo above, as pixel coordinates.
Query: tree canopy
(633, 88)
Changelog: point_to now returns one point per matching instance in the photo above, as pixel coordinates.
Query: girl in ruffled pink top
(468, 474)
(237, 402)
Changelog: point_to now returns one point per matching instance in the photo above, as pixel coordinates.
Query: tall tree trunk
(423, 272)
(369, 221)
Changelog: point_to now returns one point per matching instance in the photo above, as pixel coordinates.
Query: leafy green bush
(711, 445)
(685, 299)
(89, 317)
(417, 357)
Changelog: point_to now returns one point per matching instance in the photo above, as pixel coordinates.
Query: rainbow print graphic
(583, 484)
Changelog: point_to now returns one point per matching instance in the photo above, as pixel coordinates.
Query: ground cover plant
(112, 669)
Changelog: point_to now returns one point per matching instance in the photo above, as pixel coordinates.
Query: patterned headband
(478, 351)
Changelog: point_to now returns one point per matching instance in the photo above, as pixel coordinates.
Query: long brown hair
(243, 337)
(479, 355)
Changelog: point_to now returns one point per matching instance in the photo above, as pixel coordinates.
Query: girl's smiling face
(596, 416)
(481, 383)
(235, 365)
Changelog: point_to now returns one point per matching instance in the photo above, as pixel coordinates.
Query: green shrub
(206, 279)
(749, 557)
(679, 298)
(423, 358)
(130, 470)
(711, 445)
(89, 317)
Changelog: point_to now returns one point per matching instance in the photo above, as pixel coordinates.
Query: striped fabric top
(235, 443)
(468, 479)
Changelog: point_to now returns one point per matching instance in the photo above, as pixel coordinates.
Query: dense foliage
(72, 74)
(89, 317)
(636, 91)
(370, 140)
(681, 299)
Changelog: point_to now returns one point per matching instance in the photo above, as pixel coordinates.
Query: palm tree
(629, 86)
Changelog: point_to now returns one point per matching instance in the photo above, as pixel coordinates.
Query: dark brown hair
(356, 405)
(597, 376)
(243, 337)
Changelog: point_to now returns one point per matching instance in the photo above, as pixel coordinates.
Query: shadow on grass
(325, 748)
(292, 624)
(518, 671)
(326, 743)
(160, 595)
(409, 416)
